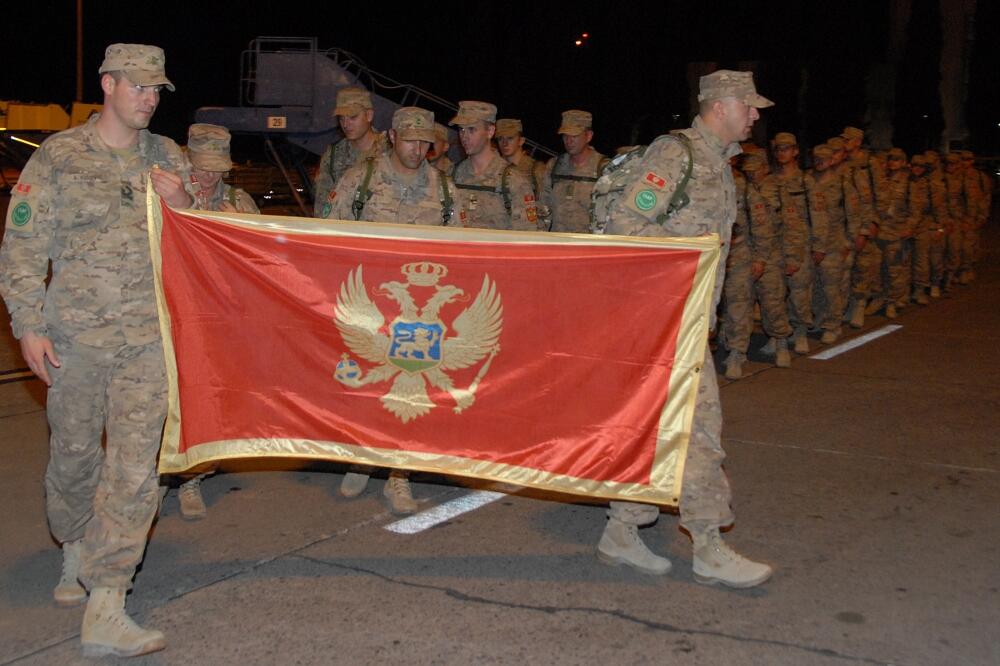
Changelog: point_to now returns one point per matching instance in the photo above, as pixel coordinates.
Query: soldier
(939, 206)
(836, 196)
(93, 336)
(208, 151)
(925, 205)
(403, 188)
(569, 179)
(864, 274)
(803, 223)
(754, 268)
(958, 219)
(728, 106)
(977, 192)
(510, 141)
(769, 238)
(497, 196)
(437, 156)
(355, 113)
(892, 200)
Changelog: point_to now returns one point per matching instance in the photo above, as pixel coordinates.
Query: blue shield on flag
(415, 345)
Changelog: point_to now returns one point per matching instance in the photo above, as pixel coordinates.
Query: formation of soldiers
(812, 250)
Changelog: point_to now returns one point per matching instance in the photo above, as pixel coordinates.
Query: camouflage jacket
(533, 170)
(712, 192)
(920, 205)
(82, 206)
(566, 191)
(392, 198)
(892, 200)
(238, 198)
(337, 159)
(836, 195)
(755, 229)
(805, 226)
(484, 198)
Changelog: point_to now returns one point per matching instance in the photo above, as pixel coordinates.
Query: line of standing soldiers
(856, 234)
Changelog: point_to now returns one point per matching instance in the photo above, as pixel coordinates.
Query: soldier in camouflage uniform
(401, 188)
(803, 222)
(355, 113)
(957, 204)
(496, 195)
(437, 156)
(728, 109)
(867, 258)
(939, 211)
(510, 142)
(754, 269)
(977, 192)
(93, 336)
(208, 151)
(569, 179)
(928, 250)
(835, 195)
(895, 229)
(769, 236)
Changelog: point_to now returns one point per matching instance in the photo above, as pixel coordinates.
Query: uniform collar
(714, 143)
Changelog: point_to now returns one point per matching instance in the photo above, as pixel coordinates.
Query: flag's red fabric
(288, 337)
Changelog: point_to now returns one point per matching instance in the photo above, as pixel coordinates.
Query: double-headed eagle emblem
(416, 347)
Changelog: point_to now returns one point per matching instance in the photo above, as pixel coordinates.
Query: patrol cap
(441, 133)
(575, 122)
(750, 147)
(208, 147)
(896, 154)
(966, 154)
(823, 151)
(509, 127)
(412, 123)
(932, 156)
(727, 83)
(836, 143)
(785, 139)
(952, 158)
(471, 112)
(352, 100)
(754, 162)
(852, 133)
(919, 160)
(141, 63)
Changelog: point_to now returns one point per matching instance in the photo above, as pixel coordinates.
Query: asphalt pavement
(870, 481)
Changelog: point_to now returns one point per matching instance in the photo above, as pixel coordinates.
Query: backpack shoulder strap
(363, 193)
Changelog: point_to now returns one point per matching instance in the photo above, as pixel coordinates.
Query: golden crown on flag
(423, 273)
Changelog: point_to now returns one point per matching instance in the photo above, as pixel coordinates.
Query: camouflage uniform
(337, 159)
(768, 236)
(958, 218)
(925, 204)
(566, 191)
(486, 198)
(977, 198)
(223, 192)
(863, 176)
(420, 200)
(82, 206)
(705, 498)
(839, 201)
(892, 199)
(804, 224)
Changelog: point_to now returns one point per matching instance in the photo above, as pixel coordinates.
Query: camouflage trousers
(737, 295)
(827, 304)
(970, 248)
(705, 492)
(894, 270)
(770, 289)
(953, 254)
(107, 496)
(846, 282)
(928, 259)
(865, 274)
(800, 287)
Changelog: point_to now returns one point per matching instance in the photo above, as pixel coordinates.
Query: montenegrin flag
(557, 361)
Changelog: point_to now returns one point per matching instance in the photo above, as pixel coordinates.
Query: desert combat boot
(397, 494)
(69, 592)
(107, 630)
(621, 544)
(715, 562)
(192, 503)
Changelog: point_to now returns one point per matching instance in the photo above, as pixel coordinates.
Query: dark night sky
(520, 55)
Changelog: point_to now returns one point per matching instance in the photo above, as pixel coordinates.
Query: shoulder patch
(22, 188)
(645, 200)
(20, 216)
(655, 180)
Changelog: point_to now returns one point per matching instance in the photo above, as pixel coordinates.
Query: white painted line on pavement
(856, 342)
(439, 514)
